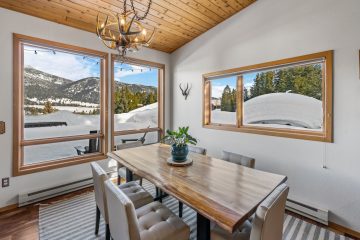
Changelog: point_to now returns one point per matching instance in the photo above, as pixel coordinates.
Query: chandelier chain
(125, 6)
(139, 18)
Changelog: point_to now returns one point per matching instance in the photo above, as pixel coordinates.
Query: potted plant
(179, 141)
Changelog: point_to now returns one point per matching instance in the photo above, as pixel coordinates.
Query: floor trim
(8, 208)
(347, 231)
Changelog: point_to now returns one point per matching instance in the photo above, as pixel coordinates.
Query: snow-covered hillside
(82, 124)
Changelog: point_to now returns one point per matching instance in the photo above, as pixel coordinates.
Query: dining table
(219, 191)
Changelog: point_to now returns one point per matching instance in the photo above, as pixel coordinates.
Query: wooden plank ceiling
(177, 21)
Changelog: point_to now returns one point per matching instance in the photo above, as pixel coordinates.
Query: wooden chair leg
(97, 222)
(141, 181)
(180, 209)
(107, 234)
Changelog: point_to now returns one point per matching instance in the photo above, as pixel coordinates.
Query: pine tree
(48, 108)
(246, 94)
(226, 99)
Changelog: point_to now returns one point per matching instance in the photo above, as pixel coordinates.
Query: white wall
(27, 25)
(271, 30)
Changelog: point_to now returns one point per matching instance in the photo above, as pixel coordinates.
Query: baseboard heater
(313, 213)
(37, 196)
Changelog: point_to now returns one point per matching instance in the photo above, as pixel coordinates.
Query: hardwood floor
(22, 223)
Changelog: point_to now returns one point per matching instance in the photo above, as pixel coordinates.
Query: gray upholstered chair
(150, 222)
(267, 223)
(136, 193)
(198, 150)
(238, 159)
(121, 169)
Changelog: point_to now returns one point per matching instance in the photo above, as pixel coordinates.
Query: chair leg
(141, 181)
(107, 234)
(161, 196)
(180, 209)
(119, 177)
(97, 222)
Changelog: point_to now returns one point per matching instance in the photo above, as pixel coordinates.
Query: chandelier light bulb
(144, 32)
(122, 21)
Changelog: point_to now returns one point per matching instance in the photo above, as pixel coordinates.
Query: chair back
(99, 177)
(142, 139)
(198, 150)
(269, 216)
(238, 159)
(129, 145)
(93, 143)
(122, 216)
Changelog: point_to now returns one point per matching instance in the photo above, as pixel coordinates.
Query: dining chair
(238, 159)
(150, 222)
(198, 150)
(267, 223)
(120, 168)
(134, 191)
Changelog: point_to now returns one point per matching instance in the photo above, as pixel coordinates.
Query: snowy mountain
(41, 86)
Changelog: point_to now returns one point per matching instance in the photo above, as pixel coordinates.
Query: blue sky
(67, 65)
(134, 74)
(219, 84)
(75, 67)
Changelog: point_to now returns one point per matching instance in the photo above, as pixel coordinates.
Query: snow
(280, 110)
(218, 116)
(76, 109)
(82, 124)
(64, 101)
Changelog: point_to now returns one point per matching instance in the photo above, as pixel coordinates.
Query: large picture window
(60, 103)
(289, 98)
(137, 101)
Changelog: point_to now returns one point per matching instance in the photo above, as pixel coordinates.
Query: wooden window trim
(19, 168)
(327, 92)
(161, 98)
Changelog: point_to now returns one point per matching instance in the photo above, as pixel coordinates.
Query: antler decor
(124, 31)
(185, 92)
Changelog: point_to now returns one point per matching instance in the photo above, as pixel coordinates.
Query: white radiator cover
(305, 210)
(37, 196)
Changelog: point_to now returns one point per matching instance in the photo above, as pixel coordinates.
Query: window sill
(288, 133)
(55, 164)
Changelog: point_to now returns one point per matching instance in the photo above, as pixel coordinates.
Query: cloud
(248, 85)
(126, 70)
(216, 91)
(61, 64)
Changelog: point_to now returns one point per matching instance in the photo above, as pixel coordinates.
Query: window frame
(326, 135)
(160, 99)
(19, 168)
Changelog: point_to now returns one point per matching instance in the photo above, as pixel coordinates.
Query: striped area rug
(74, 219)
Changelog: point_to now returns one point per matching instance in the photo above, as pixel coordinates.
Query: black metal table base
(203, 227)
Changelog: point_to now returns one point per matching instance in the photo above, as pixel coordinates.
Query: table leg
(203, 227)
(129, 175)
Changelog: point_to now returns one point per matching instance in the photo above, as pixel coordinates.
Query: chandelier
(124, 31)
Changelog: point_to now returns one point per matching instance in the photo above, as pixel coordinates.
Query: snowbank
(288, 110)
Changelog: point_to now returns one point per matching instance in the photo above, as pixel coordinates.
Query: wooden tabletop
(221, 191)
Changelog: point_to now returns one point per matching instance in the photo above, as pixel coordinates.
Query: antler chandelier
(124, 31)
